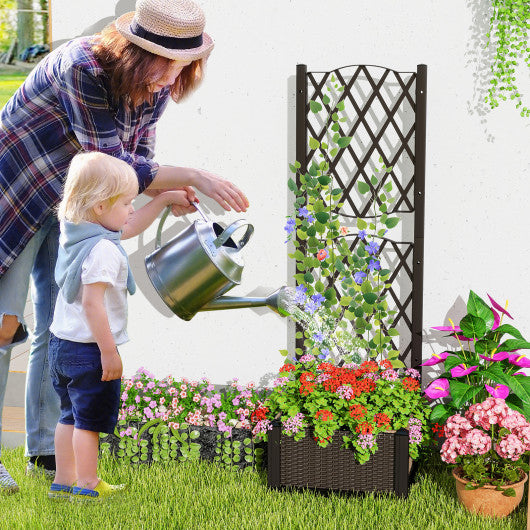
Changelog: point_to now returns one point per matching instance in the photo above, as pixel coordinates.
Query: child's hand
(180, 200)
(112, 366)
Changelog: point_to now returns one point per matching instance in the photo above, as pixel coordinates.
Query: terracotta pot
(486, 500)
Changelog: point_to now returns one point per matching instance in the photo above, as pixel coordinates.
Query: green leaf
(322, 217)
(313, 144)
(344, 141)
(370, 298)
(462, 393)
(363, 187)
(440, 413)
(308, 277)
(477, 307)
(315, 106)
(473, 326)
(514, 344)
(451, 362)
(324, 180)
(507, 328)
(292, 185)
(391, 222)
(485, 345)
(396, 363)
(361, 224)
(326, 100)
(340, 105)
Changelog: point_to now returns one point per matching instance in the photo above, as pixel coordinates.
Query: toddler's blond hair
(94, 177)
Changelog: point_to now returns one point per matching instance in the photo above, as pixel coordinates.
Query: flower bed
(169, 419)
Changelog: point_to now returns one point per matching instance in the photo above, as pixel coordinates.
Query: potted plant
(364, 420)
(487, 362)
(488, 444)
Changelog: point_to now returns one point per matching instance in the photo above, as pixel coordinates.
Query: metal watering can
(193, 270)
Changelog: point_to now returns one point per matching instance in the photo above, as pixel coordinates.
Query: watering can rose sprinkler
(193, 271)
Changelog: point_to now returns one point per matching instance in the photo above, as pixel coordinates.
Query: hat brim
(123, 25)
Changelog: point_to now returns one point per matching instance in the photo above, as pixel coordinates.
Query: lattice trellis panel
(384, 113)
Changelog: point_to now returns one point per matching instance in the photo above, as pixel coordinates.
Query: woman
(100, 93)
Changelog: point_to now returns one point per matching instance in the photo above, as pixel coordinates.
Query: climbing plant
(509, 24)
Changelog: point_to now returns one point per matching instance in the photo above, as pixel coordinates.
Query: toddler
(90, 316)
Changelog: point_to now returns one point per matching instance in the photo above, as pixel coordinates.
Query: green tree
(25, 26)
(8, 20)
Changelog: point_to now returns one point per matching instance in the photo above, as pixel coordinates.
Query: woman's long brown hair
(132, 69)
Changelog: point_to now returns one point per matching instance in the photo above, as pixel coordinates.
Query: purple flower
(438, 389)
(359, 277)
(324, 352)
(390, 375)
(461, 370)
(362, 234)
(311, 306)
(499, 356)
(372, 248)
(498, 391)
(412, 372)
(436, 358)
(290, 226)
(318, 337)
(310, 219)
(299, 297)
(317, 298)
(519, 360)
(374, 265)
(303, 211)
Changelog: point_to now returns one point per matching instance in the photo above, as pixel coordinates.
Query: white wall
(240, 124)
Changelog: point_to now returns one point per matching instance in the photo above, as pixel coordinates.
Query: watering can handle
(158, 241)
(227, 232)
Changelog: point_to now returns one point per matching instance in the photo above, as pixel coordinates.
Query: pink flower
(343, 230)
(498, 391)
(451, 448)
(519, 360)
(524, 435)
(510, 447)
(499, 356)
(436, 358)
(322, 254)
(461, 370)
(457, 425)
(478, 442)
(438, 389)
(513, 420)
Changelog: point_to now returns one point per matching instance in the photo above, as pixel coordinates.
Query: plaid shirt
(62, 108)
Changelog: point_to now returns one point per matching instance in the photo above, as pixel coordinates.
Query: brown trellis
(386, 113)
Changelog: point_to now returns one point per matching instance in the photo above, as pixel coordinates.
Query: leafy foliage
(509, 25)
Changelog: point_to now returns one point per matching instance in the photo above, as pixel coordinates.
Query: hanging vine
(509, 26)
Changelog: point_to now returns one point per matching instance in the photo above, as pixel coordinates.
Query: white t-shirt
(105, 263)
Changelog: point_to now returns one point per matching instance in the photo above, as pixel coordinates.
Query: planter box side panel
(305, 464)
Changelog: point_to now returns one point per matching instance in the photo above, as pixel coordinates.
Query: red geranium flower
(364, 428)
(259, 414)
(382, 419)
(385, 364)
(357, 411)
(287, 367)
(369, 366)
(411, 384)
(323, 414)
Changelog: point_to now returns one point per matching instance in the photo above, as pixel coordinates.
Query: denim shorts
(87, 402)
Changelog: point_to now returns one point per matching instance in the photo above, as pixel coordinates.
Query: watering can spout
(278, 301)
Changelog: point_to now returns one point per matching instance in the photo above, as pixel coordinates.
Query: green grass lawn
(9, 82)
(208, 496)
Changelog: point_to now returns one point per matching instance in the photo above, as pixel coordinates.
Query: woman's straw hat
(170, 28)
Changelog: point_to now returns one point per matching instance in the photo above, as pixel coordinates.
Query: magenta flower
(438, 389)
(436, 358)
(519, 360)
(498, 307)
(499, 356)
(496, 319)
(498, 391)
(448, 328)
(461, 370)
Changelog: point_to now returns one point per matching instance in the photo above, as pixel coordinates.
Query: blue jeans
(36, 261)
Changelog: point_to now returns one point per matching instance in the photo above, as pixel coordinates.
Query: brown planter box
(304, 464)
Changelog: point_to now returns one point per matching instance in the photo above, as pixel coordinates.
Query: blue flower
(310, 219)
(303, 212)
(324, 352)
(311, 306)
(299, 297)
(290, 226)
(372, 248)
(318, 336)
(318, 298)
(362, 234)
(359, 277)
(374, 265)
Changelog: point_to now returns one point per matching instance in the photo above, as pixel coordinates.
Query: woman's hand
(220, 190)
